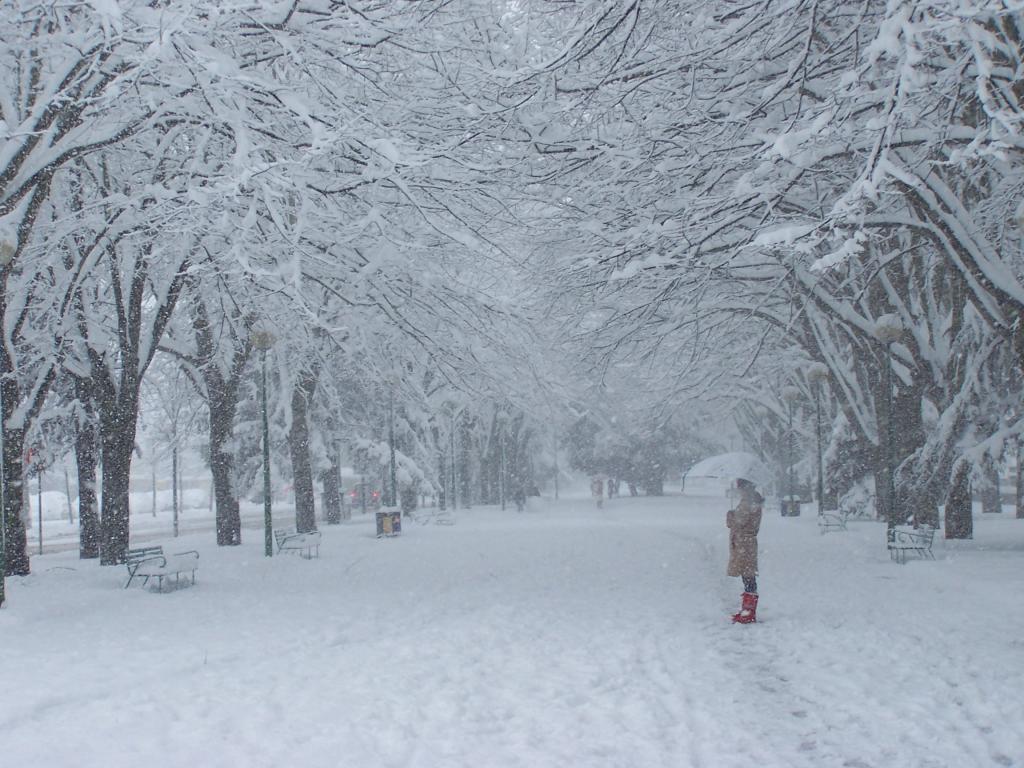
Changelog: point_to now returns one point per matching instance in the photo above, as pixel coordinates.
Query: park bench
(151, 563)
(832, 520)
(917, 541)
(305, 545)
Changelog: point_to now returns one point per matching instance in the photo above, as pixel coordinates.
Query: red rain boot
(748, 611)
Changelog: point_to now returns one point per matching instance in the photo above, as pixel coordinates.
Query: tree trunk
(453, 463)
(67, 496)
(222, 403)
(407, 500)
(116, 381)
(885, 455)
(991, 501)
(331, 479)
(16, 557)
(117, 437)
(882, 503)
(465, 469)
(1019, 490)
(442, 474)
(175, 493)
(959, 521)
(490, 468)
(228, 517)
(298, 444)
(926, 508)
(88, 512)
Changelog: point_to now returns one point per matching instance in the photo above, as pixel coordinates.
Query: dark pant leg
(750, 584)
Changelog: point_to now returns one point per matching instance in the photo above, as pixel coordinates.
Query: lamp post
(816, 374)
(263, 341)
(790, 395)
(889, 329)
(39, 500)
(392, 474)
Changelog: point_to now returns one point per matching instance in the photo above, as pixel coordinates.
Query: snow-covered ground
(562, 636)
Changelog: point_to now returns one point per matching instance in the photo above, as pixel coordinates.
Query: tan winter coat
(744, 523)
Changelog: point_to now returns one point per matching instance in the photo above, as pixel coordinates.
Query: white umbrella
(730, 466)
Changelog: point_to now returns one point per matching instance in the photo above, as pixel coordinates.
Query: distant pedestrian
(744, 522)
(519, 496)
(597, 491)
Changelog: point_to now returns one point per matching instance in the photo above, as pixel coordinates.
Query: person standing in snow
(519, 496)
(744, 522)
(597, 491)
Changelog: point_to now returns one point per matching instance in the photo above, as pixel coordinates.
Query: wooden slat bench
(305, 545)
(914, 540)
(151, 563)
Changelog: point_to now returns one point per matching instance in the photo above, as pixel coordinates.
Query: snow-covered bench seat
(915, 540)
(306, 545)
(832, 520)
(151, 563)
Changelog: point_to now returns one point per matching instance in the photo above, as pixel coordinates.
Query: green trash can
(790, 506)
(389, 522)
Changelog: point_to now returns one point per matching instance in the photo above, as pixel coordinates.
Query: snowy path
(563, 636)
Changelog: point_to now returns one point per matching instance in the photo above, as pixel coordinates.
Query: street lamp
(816, 374)
(263, 341)
(790, 395)
(889, 329)
(392, 474)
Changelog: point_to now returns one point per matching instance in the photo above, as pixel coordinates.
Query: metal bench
(833, 520)
(917, 541)
(305, 545)
(151, 563)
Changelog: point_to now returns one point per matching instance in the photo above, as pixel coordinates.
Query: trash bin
(389, 522)
(790, 506)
